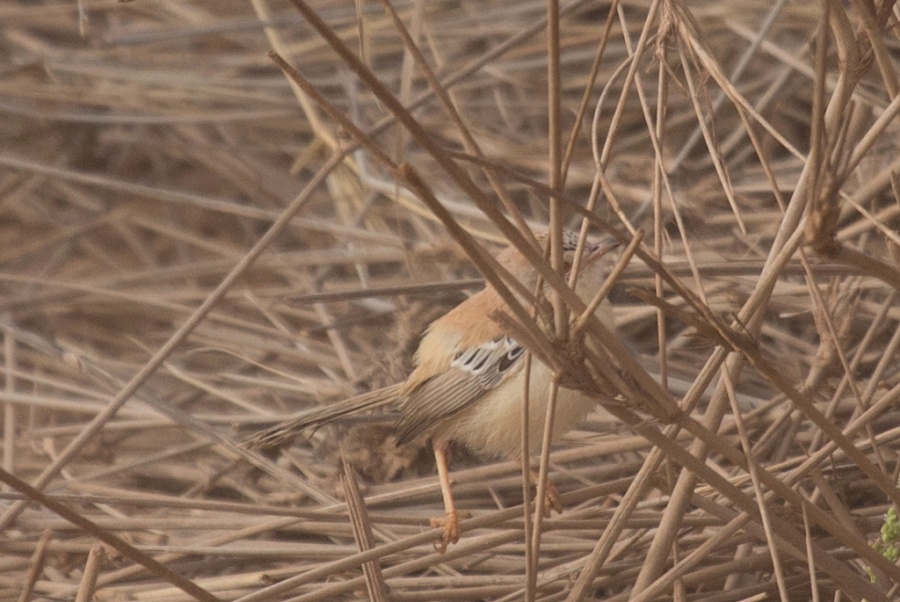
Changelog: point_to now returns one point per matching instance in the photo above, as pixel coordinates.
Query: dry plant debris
(198, 243)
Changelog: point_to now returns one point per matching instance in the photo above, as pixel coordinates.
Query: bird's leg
(551, 498)
(450, 520)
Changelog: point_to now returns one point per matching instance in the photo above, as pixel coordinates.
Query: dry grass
(194, 248)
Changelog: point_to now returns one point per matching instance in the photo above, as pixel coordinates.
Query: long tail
(284, 431)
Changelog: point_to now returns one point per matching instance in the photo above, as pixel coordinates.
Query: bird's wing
(284, 431)
(472, 373)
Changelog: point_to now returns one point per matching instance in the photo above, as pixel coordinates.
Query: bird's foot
(450, 534)
(551, 500)
(551, 494)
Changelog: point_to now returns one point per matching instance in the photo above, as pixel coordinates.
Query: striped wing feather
(473, 372)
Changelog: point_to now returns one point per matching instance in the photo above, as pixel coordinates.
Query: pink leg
(450, 521)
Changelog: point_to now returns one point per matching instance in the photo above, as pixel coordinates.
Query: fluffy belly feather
(494, 425)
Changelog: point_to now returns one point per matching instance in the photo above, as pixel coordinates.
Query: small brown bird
(469, 382)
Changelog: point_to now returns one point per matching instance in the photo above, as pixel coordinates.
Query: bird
(468, 383)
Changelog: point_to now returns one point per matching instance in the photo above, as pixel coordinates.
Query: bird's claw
(450, 525)
(551, 500)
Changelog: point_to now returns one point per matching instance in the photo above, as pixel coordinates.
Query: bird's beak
(598, 249)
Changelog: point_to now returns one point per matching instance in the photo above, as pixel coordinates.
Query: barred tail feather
(281, 433)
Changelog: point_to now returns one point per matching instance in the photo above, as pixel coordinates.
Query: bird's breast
(493, 425)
